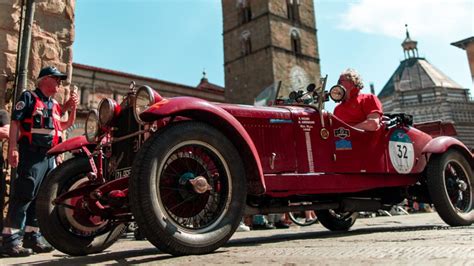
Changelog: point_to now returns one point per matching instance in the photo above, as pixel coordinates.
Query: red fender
(203, 110)
(443, 143)
(69, 145)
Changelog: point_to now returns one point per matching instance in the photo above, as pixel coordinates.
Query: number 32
(402, 151)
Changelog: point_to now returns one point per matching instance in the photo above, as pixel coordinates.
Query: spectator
(36, 117)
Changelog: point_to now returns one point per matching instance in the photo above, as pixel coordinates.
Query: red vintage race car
(186, 170)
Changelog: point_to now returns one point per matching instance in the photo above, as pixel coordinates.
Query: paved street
(401, 240)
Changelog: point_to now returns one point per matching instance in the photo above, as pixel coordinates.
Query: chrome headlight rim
(337, 93)
(91, 116)
(106, 111)
(150, 96)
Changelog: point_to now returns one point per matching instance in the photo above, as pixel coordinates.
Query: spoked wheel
(299, 218)
(69, 226)
(188, 189)
(450, 183)
(337, 221)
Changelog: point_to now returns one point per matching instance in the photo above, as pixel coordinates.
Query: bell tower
(267, 41)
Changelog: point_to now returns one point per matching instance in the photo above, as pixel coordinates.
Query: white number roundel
(402, 154)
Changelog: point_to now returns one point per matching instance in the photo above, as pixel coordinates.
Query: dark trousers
(33, 166)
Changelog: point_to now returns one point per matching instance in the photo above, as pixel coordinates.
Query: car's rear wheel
(337, 221)
(69, 226)
(450, 184)
(188, 189)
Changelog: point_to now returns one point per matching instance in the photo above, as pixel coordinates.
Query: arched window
(245, 12)
(293, 9)
(246, 42)
(295, 42)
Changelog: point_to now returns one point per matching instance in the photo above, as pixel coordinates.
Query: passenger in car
(362, 111)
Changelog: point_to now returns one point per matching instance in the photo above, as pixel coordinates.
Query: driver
(362, 111)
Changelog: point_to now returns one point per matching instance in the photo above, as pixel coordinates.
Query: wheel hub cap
(462, 185)
(200, 185)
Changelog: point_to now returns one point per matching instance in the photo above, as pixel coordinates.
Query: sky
(175, 40)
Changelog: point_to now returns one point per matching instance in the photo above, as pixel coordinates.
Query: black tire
(299, 218)
(336, 221)
(59, 224)
(172, 215)
(450, 181)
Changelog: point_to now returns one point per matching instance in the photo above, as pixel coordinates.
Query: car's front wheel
(69, 226)
(450, 180)
(188, 189)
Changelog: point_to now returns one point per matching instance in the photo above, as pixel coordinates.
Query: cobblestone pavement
(419, 239)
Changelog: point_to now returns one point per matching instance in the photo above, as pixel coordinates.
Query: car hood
(250, 111)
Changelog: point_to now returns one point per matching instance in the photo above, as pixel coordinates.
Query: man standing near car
(35, 127)
(362, 111)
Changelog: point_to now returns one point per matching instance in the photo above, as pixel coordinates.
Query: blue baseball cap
(51, 71)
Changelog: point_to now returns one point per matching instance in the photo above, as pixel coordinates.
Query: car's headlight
(337, 93)
(92, 126)
(108, 109)
(144, 98)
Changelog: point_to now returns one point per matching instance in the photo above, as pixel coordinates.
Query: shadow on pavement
(326, 234)
(126, 257)
(117, 258)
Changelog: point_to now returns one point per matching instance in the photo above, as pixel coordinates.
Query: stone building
(266, 42)
(420, 89)
(51, 41)
(96, 83)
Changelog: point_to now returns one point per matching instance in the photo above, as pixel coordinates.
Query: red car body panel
(297, 159)
(69, 145)
(272, 132)
(441, 144)
(284, 185)
(299, 153)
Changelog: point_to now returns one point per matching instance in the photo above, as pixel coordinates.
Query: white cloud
(426, 18)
